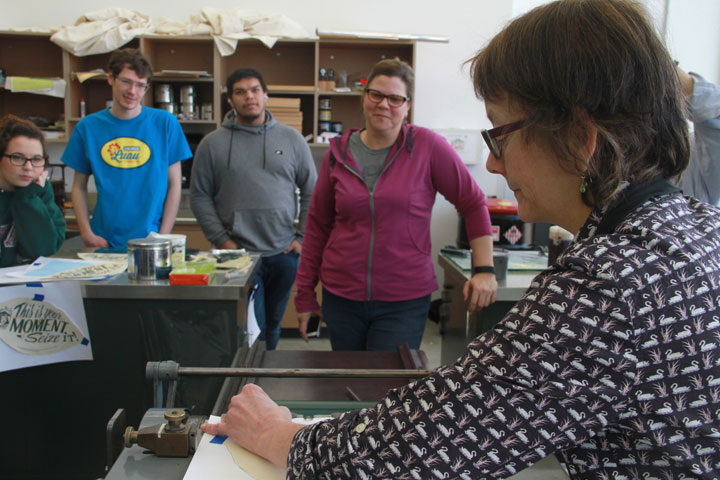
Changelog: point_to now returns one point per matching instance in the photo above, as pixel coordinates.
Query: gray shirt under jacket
(371, 162)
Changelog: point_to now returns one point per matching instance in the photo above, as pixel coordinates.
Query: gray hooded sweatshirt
(243, 184)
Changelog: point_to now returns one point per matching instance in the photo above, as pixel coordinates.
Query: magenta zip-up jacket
(375, 245)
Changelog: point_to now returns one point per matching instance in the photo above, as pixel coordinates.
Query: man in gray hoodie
(244, 178)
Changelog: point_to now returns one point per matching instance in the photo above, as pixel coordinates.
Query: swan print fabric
(612, 357)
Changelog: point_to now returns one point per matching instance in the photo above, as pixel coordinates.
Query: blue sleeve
(178, 148)
(75, 154)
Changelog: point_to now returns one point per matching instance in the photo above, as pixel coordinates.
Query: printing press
(310, 383)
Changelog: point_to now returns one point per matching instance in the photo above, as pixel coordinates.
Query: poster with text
(42, 323)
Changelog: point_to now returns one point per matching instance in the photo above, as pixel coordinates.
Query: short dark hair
(599, 59)
(12, 126)
(241, 73)
(131, 58)
(394, 67)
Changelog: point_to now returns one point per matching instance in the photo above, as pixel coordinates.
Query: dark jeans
(374, 325)
(274, 280)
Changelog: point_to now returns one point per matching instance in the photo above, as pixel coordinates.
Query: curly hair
(12, 126)
(572, 59)
(131, 58)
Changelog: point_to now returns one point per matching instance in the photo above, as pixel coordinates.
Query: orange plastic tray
(189, 279)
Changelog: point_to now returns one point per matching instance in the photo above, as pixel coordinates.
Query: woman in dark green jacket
(31, 224)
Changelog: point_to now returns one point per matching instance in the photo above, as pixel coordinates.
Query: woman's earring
(583, 184)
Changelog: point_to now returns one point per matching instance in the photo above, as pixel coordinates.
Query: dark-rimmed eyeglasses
(490, 136)
(129, 84)
(377, 96)
(19, 160)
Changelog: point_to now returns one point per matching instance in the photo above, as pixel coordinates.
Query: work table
(122, 287)
(129, 323)
(459, 327)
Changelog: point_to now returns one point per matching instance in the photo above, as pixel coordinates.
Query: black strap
(636, 196)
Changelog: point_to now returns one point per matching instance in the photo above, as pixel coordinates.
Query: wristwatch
(483, 269)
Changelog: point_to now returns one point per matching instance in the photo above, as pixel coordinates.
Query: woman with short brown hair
(610, 357)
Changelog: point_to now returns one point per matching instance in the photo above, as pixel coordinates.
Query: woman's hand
(40, 180)
(480, 291)
(257, 424)
(303, 319)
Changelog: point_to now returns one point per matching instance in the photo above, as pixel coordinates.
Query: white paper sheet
(7, 275)
(44, 323)
(253, 329)
(213, 460)
(56, 89)
(47, 269)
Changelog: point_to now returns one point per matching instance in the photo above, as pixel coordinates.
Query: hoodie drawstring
(264, 145)
(232, 133)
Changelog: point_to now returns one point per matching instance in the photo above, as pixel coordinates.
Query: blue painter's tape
(38, 298)
(34, 284)
(85, 341)
(219, 439)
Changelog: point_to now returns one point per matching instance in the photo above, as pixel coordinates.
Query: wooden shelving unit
(290, 69)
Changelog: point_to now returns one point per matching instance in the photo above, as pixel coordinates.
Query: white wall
(693, 36)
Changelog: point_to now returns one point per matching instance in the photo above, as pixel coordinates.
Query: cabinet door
(26, 55)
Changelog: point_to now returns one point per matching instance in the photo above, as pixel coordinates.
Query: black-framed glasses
(377, 96)
(19, 160)
(490, 136)
(127, 83)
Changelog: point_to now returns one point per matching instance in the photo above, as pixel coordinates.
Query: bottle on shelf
(82, 108)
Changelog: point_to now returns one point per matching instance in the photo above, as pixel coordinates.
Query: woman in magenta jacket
(367, 236)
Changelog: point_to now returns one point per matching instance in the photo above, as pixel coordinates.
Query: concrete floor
(431, 344)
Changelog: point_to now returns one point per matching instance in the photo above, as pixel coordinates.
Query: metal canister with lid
(206, 111)
(325, 115)
(189, 111)
(149, 258)
(163, 93)
(187, 94)
(168, 107)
